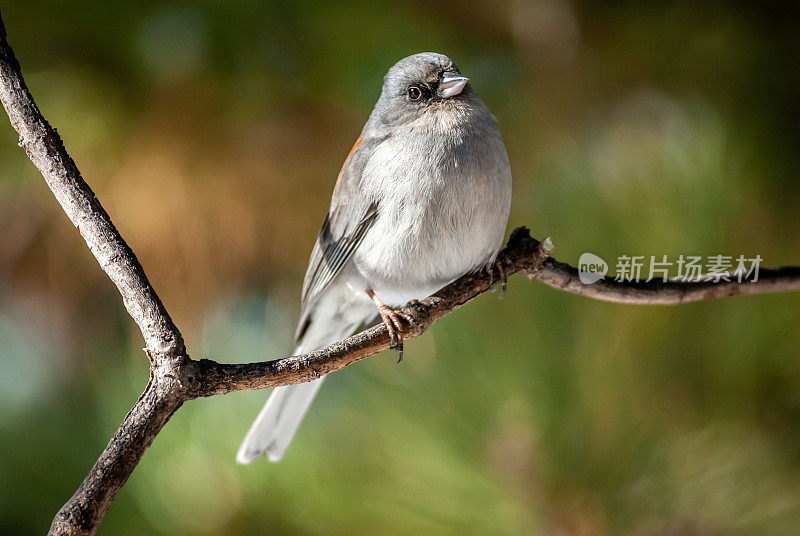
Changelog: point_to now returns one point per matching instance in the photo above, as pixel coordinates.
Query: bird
(423, 198)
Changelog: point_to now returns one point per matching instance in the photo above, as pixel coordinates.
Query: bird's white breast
(443, 201)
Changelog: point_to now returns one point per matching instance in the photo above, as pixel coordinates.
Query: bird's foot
(393, 320)
(502, 268)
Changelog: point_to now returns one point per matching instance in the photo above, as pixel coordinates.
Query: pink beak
(452, 84)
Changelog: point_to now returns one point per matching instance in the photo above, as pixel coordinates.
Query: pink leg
(393, 321)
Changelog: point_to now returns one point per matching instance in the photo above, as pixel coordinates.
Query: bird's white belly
(435, 223)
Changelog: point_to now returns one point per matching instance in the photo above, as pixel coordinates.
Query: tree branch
(523, 254)
(84, 511)
(175, 378)
(45, 149)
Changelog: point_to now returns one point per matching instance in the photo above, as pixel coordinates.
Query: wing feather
(351, 215)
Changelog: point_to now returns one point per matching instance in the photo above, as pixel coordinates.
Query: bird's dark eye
(414, 93)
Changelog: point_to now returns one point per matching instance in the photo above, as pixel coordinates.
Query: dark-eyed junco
(422, 198)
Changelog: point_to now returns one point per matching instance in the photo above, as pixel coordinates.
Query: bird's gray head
(423, 84)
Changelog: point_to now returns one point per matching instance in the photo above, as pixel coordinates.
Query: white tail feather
(337, 314)
(274, 428)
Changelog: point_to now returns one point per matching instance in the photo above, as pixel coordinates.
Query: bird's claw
(393, 321)
(410, 320)
(502, 265)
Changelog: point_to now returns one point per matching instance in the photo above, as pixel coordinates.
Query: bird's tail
(274, 428)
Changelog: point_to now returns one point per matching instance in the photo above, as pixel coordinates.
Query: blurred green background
(213, 132)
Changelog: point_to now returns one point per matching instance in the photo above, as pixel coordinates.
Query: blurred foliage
(213, 131)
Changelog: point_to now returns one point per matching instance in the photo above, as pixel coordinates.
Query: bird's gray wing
(351, 215)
